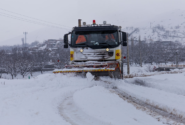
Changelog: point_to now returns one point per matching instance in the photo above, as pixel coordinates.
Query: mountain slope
(166, 27)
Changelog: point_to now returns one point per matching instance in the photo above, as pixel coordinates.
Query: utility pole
(128, 35)
(176, 59)
(140, 51)
(128, 66)
(22, 42)
(132, 49)
(25, 33)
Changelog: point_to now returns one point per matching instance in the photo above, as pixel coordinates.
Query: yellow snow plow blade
(84, 70)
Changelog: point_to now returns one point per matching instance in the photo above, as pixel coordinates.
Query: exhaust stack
(79, 22)
(84, 23)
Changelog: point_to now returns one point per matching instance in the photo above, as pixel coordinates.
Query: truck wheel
(111, 74)
(81, 74)
(117, 74)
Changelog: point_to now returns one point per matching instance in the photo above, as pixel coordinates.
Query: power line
(33, 18)
(30, 21)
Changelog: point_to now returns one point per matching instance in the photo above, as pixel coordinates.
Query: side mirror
(124, 43)
(124, 38)
(65, 46)
(66, 41)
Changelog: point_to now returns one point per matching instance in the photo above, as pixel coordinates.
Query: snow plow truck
(95, 48)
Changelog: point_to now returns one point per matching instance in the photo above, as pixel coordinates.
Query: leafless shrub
(149, 68)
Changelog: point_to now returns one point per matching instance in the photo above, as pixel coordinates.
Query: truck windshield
(98, 39)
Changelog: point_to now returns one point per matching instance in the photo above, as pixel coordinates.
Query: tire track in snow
(151, 109)
(74, 115)
(143, 105)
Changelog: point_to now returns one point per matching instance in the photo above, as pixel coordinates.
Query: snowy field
(27, 76)
(147, 70)
(56, 99)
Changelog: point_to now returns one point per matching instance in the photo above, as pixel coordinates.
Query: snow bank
(137, 70)
(147, 70)
(173, 83)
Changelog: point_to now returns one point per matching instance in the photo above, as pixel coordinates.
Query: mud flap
(115, 74)
(121, 69)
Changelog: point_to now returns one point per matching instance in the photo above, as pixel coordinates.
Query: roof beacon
(104, 22)
(94, 22)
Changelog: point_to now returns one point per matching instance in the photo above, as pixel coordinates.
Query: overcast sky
(67, 12)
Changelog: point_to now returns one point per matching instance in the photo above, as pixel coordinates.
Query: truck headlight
(81, 50)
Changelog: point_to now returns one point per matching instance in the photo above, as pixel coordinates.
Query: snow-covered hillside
(166, 27)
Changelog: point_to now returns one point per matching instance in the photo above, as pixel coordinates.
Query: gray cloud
(123, 12)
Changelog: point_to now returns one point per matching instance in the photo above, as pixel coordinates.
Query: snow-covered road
(70, 100)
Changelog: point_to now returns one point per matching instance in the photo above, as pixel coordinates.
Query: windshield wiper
(81, 43)
(105, 44)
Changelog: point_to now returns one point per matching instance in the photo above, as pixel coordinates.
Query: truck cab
(100, 43)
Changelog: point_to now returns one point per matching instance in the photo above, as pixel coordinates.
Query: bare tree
(42, 57)
(11, 67)
(2, 56)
